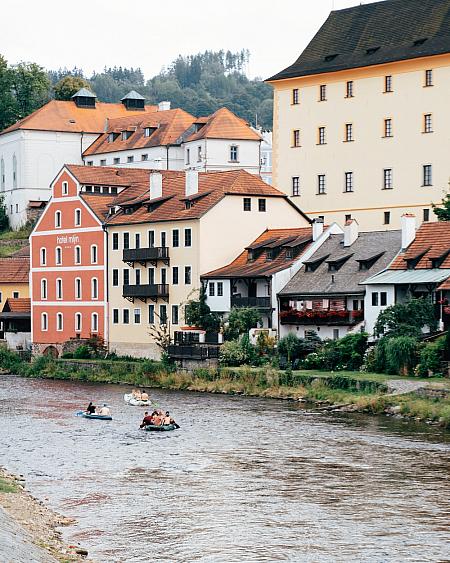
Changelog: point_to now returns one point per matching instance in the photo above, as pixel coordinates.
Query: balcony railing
(194, 352)
(259, 302)
(321, 317)
(151, 291)
(144, 255)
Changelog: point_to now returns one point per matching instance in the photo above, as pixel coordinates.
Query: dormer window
(330, 58)
(419, 42)
(148, 131)
(198, 126)
(270, 254)
(111, 138)
(437, 261)
(126, 135)
(251, 255)
(367, 263)
(336, 265)
(289, 253)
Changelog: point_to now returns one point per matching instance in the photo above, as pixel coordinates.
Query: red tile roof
(22, 252)
(242, 267)
(19, 305)
(14, 270)
(445, 286)
(66, 116)
(433, 241)
(224, 124)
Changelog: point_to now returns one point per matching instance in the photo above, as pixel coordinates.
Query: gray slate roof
(84, 93)
(374, 34)
(132, 95)
(348, 277)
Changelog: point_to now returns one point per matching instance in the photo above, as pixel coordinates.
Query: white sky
(150, 34)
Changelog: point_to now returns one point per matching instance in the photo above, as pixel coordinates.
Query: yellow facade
(10, 290)
(371, 151)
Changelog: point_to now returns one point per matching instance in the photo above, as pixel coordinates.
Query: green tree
(406, 319)
(7, 101)
(68, 86)
(4, 221)
(30, 86)
(241, 320)
(289, 346)
(198, 313)
(443, 211)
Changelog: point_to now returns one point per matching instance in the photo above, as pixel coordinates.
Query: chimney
(163, 106)
(350, 232)
(408, 223)
(155, 185)
(317, 228)
(191, 182)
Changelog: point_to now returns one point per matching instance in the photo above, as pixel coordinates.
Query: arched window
(43, 288)
(44, 321)
(78, 322)
(57, 219)
(59, 321)
(78, 255)
(65, 188)
(59, 289)
(94, 288)
(77, 288)
(58, 256)
(2, 174)
(77, 217)
(14, 171)
(94, 254)
(43, 256)
(94, 322)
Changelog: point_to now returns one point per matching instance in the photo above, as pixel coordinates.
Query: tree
(406, 319)
(68, 86)
(198, 314)
(4, 221)
(7, 101)
(241, 320)
(31, 88)
(443, 211)
(289, 346)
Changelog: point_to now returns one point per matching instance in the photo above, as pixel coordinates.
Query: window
(148, 131)
(163, 239)
(78, 321)
(126, 316)
(137, 277)
(388, 179)
(115, 277)
(234, 153)
(59, 321)
(347, 218)
(151, 239)
(137, 316)
(151, 314)
(94, 322)
(94, 254)
(212, 289)
(130, 158)
(14, 171)
(387, 217)
(126, 240)
(295, 185)
(175, 310)
(426, 215)
(44, 321)
(322, 93)
(43, 256)
(116, 160)
(187, 237)
(427, 175)
(126, 276)
(58, 256)
(163, 274)
(175, 275)
(17, 208)
(321, 136)
(427, 123)
(296, 138)
(349, 89)
(77, 257)
(349, 181)
(77, 288)
(65, 188)
(43, 289)
(374, 299)
(321, 188)
(383, 298)
(388, 127)
(429, 77)
(57, 219)
(348, 132)
(388, 84)
(187, 275)
(335, 334)
(137, 240)
(115, 241)
(261, 205)
(188, 156)
(176, 238)
(103, 162)
(163, 314)
(94, 288)
(295, 98)
(2, 174)
(144, 156)
(219, 289)
(151, 276)
(247, 202)
(199, 154)
(90, 163)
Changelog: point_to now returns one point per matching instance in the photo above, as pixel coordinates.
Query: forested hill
(199, 84)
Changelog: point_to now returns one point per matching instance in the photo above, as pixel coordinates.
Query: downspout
(167, 157)
(81, 145)
(206, 153)
(106, 289)
(259, 165)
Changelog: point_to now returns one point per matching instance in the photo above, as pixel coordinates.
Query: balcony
(193, 352)
(259, 302)
(144, 255)
(153, 291)
(320, 317)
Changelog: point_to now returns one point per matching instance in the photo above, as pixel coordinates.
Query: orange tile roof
(213, 186)
(433, 240)
(242, 267)
(66, 116)
(22, 252)
(14, 270)
(224, 124)
(445, 286)
(169, 124)
(18, 305)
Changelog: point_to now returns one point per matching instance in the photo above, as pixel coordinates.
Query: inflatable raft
(163, 428)
(96, 416)
(128, 398)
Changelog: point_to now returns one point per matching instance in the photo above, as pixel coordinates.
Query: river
(244, 479)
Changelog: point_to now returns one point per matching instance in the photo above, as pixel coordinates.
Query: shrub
(406, 319)
(430, 358)
(241, 320)
(346, 353)
(82, 353)
(232, 354)
(401, 354)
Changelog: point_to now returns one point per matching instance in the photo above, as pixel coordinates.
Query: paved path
(402, 386)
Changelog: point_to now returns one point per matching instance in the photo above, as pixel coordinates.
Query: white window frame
(59, 325)
(118, 317)
(94, 326)
(234, 151)
(178, 315)
(65, 188)
(184, 274)
(44, 289)
(58, 253)
(94, 254)
(78, 285)
(114, 235)
(77, 218)
(94, 284)
(59, 289)
(58, 219)
(78, 326)
(44, 322)
(184, 237)
(43, 256)
(77, 255)
(135, 310)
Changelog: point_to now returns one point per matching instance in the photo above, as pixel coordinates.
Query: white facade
(266, 157)
(385, 295)
(152, 158)
(208, 155)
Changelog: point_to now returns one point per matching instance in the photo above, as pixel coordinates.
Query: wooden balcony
(145, 255)
(152, 291)
(258, 302)
(193, 352)
(321, 317)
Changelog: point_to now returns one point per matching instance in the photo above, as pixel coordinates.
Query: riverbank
(28, 529)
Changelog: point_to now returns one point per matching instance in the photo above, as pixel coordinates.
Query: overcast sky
(150, 34)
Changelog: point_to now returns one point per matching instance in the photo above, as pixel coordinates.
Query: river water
(244, 479)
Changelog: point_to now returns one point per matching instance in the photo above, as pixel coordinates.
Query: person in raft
(148, 419)
(144, 396)
(104, 411)
(169, 420)
(91, 408)
(136, 394)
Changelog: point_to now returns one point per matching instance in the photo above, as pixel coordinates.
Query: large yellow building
(362, 118)
(14, 278)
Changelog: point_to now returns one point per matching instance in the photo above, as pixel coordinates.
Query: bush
(401, 354)
(430, 358)
(83, 352)
(241, 320)
(233, 354)
(347, 353)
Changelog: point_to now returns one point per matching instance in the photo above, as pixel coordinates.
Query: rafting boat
(163, 428)
(128, 398)
(95, 416)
